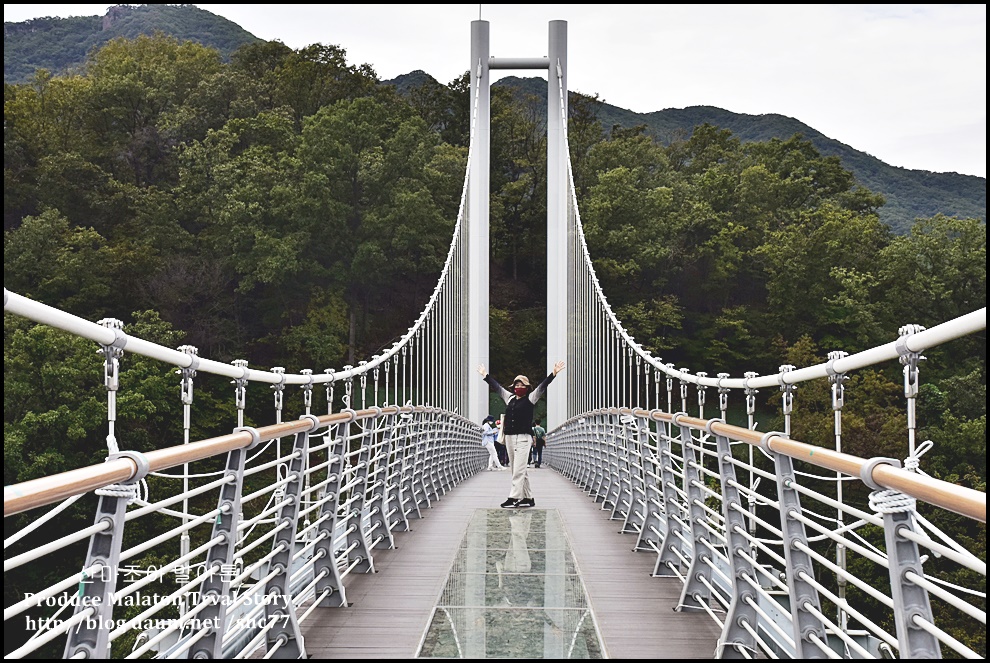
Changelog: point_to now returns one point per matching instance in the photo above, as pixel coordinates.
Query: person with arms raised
(519, 406)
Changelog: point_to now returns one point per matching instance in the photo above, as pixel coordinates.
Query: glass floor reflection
(513, 592)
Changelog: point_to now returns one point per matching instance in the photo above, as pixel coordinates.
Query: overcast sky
(904, 83)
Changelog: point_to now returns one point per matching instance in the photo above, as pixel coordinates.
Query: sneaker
(526, 501)
(510, 503)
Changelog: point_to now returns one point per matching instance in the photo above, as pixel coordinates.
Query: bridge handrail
(42, 491)
(47, 490)
(53, 317)
(916, 342)
(958, 499)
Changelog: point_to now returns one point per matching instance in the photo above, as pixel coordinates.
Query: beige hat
(521, 378)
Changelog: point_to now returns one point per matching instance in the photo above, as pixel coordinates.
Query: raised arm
(542, 387)
(502, 392)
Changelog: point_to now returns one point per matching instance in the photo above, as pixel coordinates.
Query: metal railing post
(598, 477)
(800, 566)
(698, 576)
(652, 493)
(623, 481)
(422, 478)
(911, 602)
(357, 542)
(741, 611)
(378, 504)
(90, 638)
(610, 496)
(410, 480)
(396, 474)
(324, 554)
(220, 556)
(667, 559)
(279, 605)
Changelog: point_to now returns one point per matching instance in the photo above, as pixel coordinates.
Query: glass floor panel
(513, 592)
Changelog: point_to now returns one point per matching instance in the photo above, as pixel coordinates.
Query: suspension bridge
(373, 530)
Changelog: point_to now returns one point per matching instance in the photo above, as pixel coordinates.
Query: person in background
(539, 441)
(519, 405)
(503, 453)
(489, 431)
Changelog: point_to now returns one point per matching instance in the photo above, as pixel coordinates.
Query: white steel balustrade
(689, 525)
(293, 519)
(362, 511)
(667, 477)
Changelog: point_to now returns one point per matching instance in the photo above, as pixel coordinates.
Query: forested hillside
(61, 45)
(287, 208)
(908, 194)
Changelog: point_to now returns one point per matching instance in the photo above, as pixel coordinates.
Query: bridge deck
(389, 611)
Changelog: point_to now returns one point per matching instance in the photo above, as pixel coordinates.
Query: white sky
(904, 83)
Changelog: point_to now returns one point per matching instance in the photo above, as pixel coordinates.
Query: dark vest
(519, 416)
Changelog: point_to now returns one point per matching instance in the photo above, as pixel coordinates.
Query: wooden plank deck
(390, 610)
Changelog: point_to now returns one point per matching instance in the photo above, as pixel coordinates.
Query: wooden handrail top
(31, 494)
(958, 499)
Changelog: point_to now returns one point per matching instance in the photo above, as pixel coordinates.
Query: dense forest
(62, 45)
(288, 208)
(908, 194)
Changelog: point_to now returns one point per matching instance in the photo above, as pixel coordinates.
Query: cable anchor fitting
(240, 384)
(786, 390)
(349, 384)
(750, 392)
(279, 387)
(723, 393)
(307, 388)
(836, 379)
(329, 388)
(188, 373)
(701, 388)
(909, 359)
(684, 385)
(113, 353)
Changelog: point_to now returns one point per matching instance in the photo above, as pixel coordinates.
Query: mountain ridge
(61, 45)
(910, 194)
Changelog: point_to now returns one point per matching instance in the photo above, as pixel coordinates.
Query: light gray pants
(518, 448)
(493, 463)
